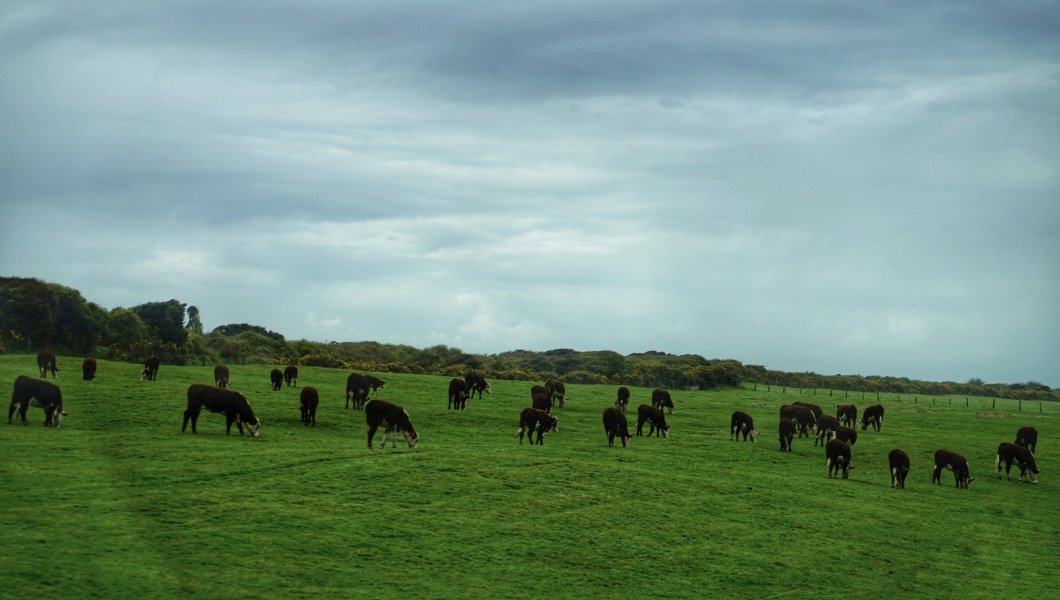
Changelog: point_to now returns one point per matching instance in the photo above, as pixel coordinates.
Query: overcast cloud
(817, 186)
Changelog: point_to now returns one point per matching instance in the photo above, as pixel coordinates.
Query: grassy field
(118, 503)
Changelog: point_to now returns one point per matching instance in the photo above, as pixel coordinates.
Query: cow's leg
(393, 437)
(347, 399)
(371, 432)
(610, 440)
(11, 411)
(519, 434)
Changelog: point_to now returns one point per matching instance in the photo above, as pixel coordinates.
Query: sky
(855, 188)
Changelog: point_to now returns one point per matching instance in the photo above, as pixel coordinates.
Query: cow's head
(553, 424)
(143, 374)
(669, 404)
(665, 431)
(58, 415)
(754, 435)
(487, 389)
(253, 427)
(411, 438)
(1034, 475)
(846, 470)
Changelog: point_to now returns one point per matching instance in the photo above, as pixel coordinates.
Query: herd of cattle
(835, 434)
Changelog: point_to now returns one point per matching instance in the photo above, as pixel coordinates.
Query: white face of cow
(58, 415)
(143, 375)
(488, 391)
(666, 432)
(253, 429)
(412, 439)
(754, 435)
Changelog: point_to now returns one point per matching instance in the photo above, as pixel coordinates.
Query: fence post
(966, 403)
(1039, 407)
(951, 401)
(1021, 406)
(993, 403)
(877, 396)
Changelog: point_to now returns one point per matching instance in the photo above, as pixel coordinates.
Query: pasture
(118, 503)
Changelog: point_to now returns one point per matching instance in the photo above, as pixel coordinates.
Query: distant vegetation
(36, 315)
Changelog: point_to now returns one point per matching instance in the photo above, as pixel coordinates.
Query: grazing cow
(397, 423)
(290, 376)
(533, 419)
(233, 405)
(872, 415)
(838, 458)
(623, 399)
(655, 418)
(543, 402)
(356, 390)
(1028, 438)
(476, 383)
(458, 392)
(46, 362)
(1008, 453)
(375, 383)
(847, 413)
(787, 433)
(558, 392)
(944, 459)
(220, 377)
(34, 392)
(277, 379)
(307, 403)
(660, 398)
(88, 369)
(899, 463)
(817, 412)
(742, 423)
(615, 424)
(151, 368)
(800, 416)
(538, 389)
(823, 429)
(846, 434)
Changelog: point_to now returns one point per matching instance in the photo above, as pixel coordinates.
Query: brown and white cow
(307, 403)
(1011, 453)
(660, 398)
(88, 369)
(944, 459)
(838, 458)
(458, 393)
(816, 410)
(533, 419)
(623, 398)
(476, 382)
(150, 370)
(872, 415)
(655, 418)
(899, 463)
(380, 412)
(823, 429)
(801, 417)
(846, 413)
(46, 362)
(542, 402)
(220, 377)
(615, 425)
(558, 391)
(29, 392)
(290, 376)
(742, 423)
(231, 404)
(846, 434)
(787, 433)
(276, 377)
(375, 383)
(1027, 437)
(357, 390)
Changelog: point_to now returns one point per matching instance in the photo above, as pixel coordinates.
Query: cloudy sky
(868, 188)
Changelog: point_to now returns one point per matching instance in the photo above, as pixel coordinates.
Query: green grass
(118, 503)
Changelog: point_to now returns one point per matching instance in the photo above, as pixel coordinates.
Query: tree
(167, 318)
(194, 324)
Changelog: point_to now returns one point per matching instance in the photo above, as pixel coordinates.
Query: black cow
(290, 376)
(276, 376)
(542, 402)
(655, 418)
(623, 399)
(46, 362)
(150, 370)
(847, 413)
(220, 377)
(34, 392)
(379, 412)
(847, 434)
(558, 391)
(233, 405)
(872, 415)
(533, 419)
(899, 463)
(615, 424)
(458, 393)
(307, 403)
(816, 410)
(357, 390)
(787, 433)
(742, 423)
(1027, 437)
(944, 459)
(838, 458)
(88, 369)
(476, 383)
(660, 398)
(1011, 453)
(823, 429)
(800, 416)
(375, 383)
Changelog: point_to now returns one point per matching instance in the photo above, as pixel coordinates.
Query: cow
(542, 402)
(538, 389)
(34, 392)
(558, 392)
(1027, 437)
(623, 399)
(823, 429)
(290, 376)
(379, 412)
(838, 458)
(151, 365)
(944, 459)
(846, 434)
(357, 390)
(458, 393)
(847, 413)
(1011, 453)
(787, 432)
(277, 379)
(615, 424)
(800, 416)
(742, 423)
(375, 383)
(655, 418)
(476, 383)
(233, 405)
(533, 419)
(660, 398)
(88, 369)
(46, 362)
(872, 415)
(817, 412)
(220, 377)
(899, 463)
(307, 403)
